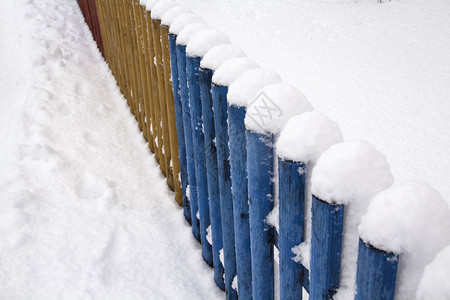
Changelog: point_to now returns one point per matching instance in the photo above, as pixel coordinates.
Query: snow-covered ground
(381, 71)
(84, 211)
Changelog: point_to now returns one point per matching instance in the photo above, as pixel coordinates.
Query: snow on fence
(255, 168)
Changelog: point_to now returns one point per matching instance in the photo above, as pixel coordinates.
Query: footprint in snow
(99, 190)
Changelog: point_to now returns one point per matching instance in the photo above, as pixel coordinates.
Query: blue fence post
(326, 248)
(291, 227)
(180, 128)
(260, 191)
(219, 96)
(184, 93)
(192, 68)
(376, 273)
(205, 77)
(238, 159)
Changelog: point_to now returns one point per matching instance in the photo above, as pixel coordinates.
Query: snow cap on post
(305, 137)
(182, 20)
(189, 31)
(434, 282)
(353, 170)
(218, 54)
(143, 2)
(412, 220)
(231, 69)
(172, 13)
(160, 9)
(204, 40)
(272, 107)
(248, 84)
(151, 3)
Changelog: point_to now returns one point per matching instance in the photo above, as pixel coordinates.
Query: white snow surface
(189, 31)
(205, 40)
(172, 13)
(379, 70)
(242, 90)
(231, 69)
(273, 106)
(161, 8)
(143, 2)
(306, 136)
(350, 173)
(151, 4)
(218, 54)
(412, 220)
(435, 279)
(182, 20)
(84, 211)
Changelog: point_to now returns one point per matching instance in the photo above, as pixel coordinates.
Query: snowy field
(381, 71)
(84, 211)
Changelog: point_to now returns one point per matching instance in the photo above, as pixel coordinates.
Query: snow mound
(350, 171)
(189, 31)
(247, 85)
(434, 282)
(203, 41)
(151, 4)
(272, 107)
(412, 220)
(182, 20)
(231, 69)
(172, 13)
(161, 8)
(305, 137)
(218, 54)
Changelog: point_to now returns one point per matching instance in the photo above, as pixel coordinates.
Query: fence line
(203, 148)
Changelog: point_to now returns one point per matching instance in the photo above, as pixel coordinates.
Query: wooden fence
(203, 149)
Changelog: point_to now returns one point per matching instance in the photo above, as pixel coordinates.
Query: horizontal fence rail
(227, 177)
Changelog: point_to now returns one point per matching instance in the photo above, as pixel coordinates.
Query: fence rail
(222, 172)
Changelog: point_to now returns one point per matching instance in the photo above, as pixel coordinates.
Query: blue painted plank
(326, 248)
(198, 142)
(260, 191)
(238, 161)
(376, 273)
(184, 93)
(226, 201)
(205, 76)
(291, 220)
(180, 128)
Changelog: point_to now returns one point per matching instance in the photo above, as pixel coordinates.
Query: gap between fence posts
(260, 191)
(219, 102)
(205, 77)
(182, 77)
(326, 248)
(180, 127)
(376, 273)
(238, 162)
(291, 226)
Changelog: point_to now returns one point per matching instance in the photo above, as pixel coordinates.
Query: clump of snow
(151, 4)
(350, 173)
(209, 235)
(221, 257)
(272, 107)
(189, 31)
(143, 2)
(218, 54)
(434, 283)
(188, 193)
(247, 85)
(231, 69)
(160, 8)
(234, 284)
(171, 14)
(273, 218)
(182, 20)
(305, 137)
(412, 220)
(302, 254)
(203, 41)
